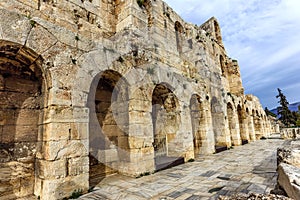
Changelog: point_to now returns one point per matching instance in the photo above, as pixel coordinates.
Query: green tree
(269, 113)
(298, 117)
(283, 110)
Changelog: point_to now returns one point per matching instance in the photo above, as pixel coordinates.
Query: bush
(140, 3)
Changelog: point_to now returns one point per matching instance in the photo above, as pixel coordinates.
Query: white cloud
(262, 35)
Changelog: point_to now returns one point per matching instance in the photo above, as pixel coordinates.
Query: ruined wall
(89, 88)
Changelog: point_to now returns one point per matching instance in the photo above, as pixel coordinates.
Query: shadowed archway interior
(108, 127)
(21, 103)
(166, 120)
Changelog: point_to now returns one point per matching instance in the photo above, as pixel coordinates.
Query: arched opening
(242, 125)
(231, 124)
(257, 124)
(179, 31)
(21, 104)
(198, 123)
(166, 120)
(108, 127)
(263, 125)
(223, 66)
(218, 32)
(218, 125)
(250, 125)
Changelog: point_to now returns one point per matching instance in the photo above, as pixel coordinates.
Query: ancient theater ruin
(90, 88)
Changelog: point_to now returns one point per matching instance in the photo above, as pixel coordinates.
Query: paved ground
(244, 169)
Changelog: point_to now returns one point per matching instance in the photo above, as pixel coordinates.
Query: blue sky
(263, 35)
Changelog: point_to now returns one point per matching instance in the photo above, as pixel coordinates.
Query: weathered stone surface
(254, 197)
(121, 83)
(289, 155)
(288, 179)
(290, 133)
(14, 27)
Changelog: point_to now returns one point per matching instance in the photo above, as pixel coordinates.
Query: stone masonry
(94, 87)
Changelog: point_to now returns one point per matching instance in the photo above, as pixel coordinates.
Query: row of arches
(110, 109)
(167, 133)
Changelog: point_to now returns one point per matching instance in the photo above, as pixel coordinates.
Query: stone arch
(257, 124)
(250, 124)
(166, 121)
(223, 66)
(179, 36)
(233, 126)
(218, 123)
(243, 125)
(23, 93)
(199, 123)
(217, 32)
(147, 5)
(108, 125)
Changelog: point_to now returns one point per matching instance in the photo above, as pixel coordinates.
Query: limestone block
(137, 168)
(16, 29)
(289, 155)
(39, 39)
(13, 84)
(50, 149)
(74, 148)
(28, 117)
(140, 130)
(65, 114)
(77, 166)
(112, 130)
(32, 3)
(2, 82)
(14, 170)
(108, 155)
(64, 71)
(86, 44)
(53, 150)
(123, 142)
(288, 179)
(79, 98)
(59, 97)
(26, 133)
(108, 118)
(8, 134)
(121, 119)
(137, 117)
(61, 33)
(55, 131)
(140, 155)
(23, 151)
(22, 187)
(120, 107)
(79, 131)
(53, 189)
(142, 93)
(136, 142)
(8, 116)
(11, 99)
(51, 169)
(139, 105)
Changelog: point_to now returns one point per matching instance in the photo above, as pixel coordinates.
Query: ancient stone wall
(290, 133)
(89, 88)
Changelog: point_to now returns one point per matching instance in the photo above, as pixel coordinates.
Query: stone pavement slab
(243, 169)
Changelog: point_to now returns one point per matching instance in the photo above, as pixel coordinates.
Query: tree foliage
(298, 117)
(283, 110)
(269, 113)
